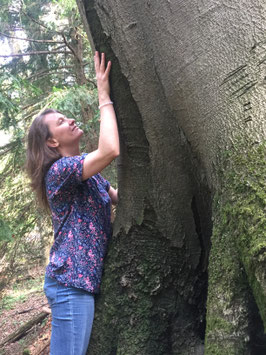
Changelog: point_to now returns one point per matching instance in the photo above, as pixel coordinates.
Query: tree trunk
(188, 82)
(87, 113)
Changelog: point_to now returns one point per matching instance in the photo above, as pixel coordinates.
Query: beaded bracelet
(107, 103)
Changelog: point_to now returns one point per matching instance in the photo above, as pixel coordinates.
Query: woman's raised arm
(108, 146)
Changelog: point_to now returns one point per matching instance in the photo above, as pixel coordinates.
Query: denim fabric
(72, 318)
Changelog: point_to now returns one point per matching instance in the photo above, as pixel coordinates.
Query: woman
(79, 199)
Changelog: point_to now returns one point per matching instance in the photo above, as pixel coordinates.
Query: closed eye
(60, 120)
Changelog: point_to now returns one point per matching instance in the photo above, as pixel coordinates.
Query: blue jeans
(72, 318)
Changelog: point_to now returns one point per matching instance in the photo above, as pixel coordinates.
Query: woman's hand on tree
(102, 76)
(108, 146)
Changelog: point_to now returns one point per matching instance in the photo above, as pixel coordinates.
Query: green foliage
(66, 7)
(9, 301)
(71, 100)
(5, 231)
(26, 82)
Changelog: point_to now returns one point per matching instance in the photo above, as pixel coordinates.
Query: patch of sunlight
(4, 138)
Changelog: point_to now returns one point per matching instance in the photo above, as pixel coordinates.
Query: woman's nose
(71, 121)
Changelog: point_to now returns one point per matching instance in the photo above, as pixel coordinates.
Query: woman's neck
(69, 151)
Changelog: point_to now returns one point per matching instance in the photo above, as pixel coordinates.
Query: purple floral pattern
(81, 216)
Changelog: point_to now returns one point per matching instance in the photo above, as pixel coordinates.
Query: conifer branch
(30, 39)
(39, 23)
(34, 53)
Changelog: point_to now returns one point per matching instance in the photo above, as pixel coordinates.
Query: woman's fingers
(102, 66)
(96, 61)
(102, 73)
(108, 68)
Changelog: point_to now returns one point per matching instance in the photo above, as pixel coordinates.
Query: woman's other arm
(113, 193)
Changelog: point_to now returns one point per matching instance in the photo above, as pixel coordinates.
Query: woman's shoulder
(65, 167)
(66, 162)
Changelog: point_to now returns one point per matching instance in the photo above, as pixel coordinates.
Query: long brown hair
(40, 156)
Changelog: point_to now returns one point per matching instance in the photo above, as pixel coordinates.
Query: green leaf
(5, 231)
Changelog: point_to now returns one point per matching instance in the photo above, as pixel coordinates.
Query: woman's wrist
(103, 99)
(105, 104)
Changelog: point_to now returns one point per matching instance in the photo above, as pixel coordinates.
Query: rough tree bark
(188, 82)
(76, 46)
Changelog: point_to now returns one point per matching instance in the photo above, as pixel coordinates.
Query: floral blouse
(81, 216)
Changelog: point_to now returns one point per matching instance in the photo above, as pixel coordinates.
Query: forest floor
(19, 304)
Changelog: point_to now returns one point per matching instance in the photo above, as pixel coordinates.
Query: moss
(221, 349)
(220, 324)
(238, 250)
(226, 307)
(246, 217)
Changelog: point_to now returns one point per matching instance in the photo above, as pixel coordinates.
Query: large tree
(188, 82)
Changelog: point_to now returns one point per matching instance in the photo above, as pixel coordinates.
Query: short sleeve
(104, 182)
(64, 175)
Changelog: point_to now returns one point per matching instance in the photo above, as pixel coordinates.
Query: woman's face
(64, 131)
